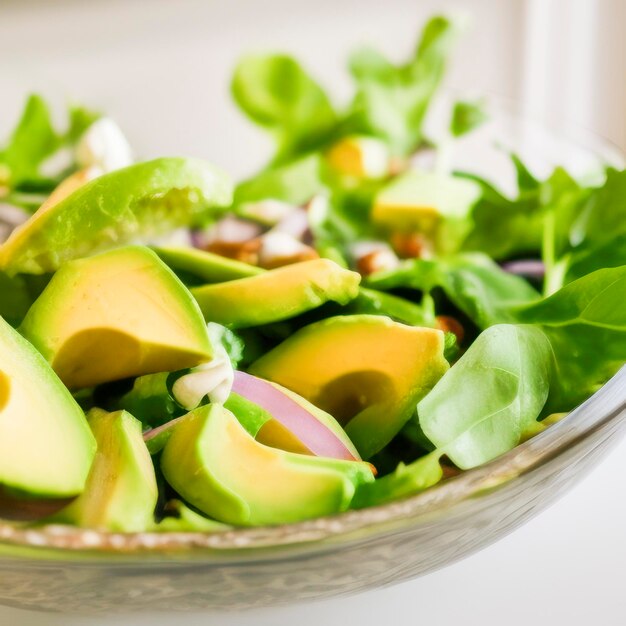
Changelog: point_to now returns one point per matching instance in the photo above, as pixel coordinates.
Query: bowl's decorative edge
(607, 405)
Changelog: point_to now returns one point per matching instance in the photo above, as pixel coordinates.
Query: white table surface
(565, 567)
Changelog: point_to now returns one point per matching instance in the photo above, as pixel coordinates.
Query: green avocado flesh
(206, 266)
(218, 467)
(46, 447)
(134, 204)
(277, 294)
(116, 315)
(121, 491)
(367, 371)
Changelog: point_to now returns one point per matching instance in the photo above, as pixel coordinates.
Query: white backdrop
(162, 67)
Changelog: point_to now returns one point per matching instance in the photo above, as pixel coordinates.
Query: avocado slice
(206, 266)
(216, 466)
(365, 370)
(139, 202)
(46, 447)
(434, 204)
(119, 314)
(121, 492)
(277, 294)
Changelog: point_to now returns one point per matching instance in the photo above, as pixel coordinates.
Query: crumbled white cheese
(267, 211)
(103, 144)
(213, 379)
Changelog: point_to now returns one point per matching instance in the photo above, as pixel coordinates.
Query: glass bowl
(69, 569)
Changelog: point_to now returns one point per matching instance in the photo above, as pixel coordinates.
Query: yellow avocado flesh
(417, 201)
(367, 371)
(359, 157)
(46, 447)
(277, 294)
(220, 469)
(117, 315)
(121, 491)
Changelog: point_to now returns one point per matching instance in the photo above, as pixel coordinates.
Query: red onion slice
(317, 437)
(525, 267)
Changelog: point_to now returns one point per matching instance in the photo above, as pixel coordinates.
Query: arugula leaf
(392, 101)
(407, 480)
(32, 141)
(275, 92)
(481, 407)
(466, 117)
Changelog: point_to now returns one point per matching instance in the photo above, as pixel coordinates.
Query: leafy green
(466, 117)
(473, 283)
(586, 324)
(405, 481)
(31, 143)
(392, 101)
(296, 182)
(594, 300)
(275, 92)
(15, 299)
(481, 407)
(603, 215)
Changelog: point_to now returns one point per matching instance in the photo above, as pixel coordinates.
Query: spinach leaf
(473, 283)
(586, 259)
(603, 216)
(466, 117)
(585, 322)
(392, 101)
(594, 300)
(481, 407)
(275, 92)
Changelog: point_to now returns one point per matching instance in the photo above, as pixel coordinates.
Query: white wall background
(162, 67)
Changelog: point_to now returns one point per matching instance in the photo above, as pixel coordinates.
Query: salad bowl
(72, 570)
(66, 569)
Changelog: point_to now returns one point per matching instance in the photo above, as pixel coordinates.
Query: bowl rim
(606, 405)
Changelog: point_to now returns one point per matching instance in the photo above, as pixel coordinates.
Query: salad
(350, 326)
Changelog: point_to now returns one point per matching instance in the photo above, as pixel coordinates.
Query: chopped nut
(246, 251)
(376, 261)
(411, 245)
(450, 325)
(268, 211)
(279, 249)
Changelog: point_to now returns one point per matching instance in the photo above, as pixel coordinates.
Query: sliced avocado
(215, 465)
(116, 315)
(367, 371)
(46, 447)
(277, 294)
(434, 204)
(121, 492)
(136, 203)
(206, 266)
